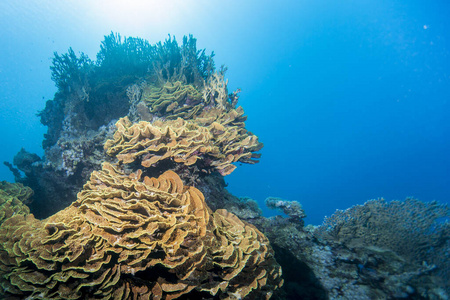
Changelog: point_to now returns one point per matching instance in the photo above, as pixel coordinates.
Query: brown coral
(178, 100)
(173, 100)
(128, 237)
(13, 197)
(216, 91)
(18, 190)
(212, 145)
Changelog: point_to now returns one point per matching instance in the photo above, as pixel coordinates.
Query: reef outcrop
(145, 83)
(129, 200)
(134, 237)
(136, 230)
(379, 250)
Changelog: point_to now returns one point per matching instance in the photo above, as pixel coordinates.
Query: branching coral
(125, 57)
(69, 71)
(215, 90)
(398, 225)
(182, 63)
(215, 146)
(134, 93)
(128, 237)
(417, 231)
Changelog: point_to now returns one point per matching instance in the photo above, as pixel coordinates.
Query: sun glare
(136, 15)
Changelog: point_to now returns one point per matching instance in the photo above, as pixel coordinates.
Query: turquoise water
(351, 100)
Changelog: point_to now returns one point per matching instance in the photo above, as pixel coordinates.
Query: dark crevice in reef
(300, 282)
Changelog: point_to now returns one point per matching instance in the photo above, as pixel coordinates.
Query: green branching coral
(182, 63)
(70, 71)
(124, 57)
(137, 58)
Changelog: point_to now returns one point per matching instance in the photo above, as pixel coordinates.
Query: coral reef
(173, 100)
(13, 197)
(132, 190)
(93, 95)
(214, 146)
(132, 237)
(136, 231)
(415, 231)
(291, 208)
(397, 225)
(17, 190)
(379, 250)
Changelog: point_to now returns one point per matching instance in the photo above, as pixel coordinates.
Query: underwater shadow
(300, 281)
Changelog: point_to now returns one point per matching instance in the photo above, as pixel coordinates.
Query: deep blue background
(351, 98)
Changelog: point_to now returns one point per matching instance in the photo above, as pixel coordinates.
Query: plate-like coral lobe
(129, 236)
(207, 140)
(173, 100)
(13, 197)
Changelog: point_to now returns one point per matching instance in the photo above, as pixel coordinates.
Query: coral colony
(129, 200)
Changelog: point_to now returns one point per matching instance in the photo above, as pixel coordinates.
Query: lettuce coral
(214, 145)
(135, 237)
(176, 99)
(173, 100)
(13, 197)
(129, 235)
(18, 190)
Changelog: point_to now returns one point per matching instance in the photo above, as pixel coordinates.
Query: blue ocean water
(350, 98)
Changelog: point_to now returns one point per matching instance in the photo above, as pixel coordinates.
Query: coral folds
(215, 145)
(135, 237)
(122, 221)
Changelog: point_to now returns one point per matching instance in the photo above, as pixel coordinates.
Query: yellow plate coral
(135, 237)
